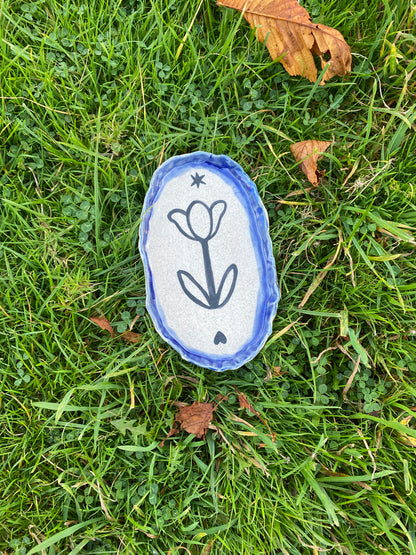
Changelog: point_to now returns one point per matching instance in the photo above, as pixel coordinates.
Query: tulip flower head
(201, 223)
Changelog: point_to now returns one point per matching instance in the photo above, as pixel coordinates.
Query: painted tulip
(201, 223)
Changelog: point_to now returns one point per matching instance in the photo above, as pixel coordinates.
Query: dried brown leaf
(244, 404)
(220, 397)
(131, 336)
(171, 433)
(292, 38)
(103, 323)
(307, 153)
(195, 418)
(277, 371)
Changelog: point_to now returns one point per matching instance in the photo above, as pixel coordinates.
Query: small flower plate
(210, 273)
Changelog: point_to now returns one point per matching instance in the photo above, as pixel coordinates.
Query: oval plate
(210, 273)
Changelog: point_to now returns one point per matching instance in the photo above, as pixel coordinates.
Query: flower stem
(209, 275)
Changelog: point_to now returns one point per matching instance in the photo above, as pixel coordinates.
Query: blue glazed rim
(269, 295)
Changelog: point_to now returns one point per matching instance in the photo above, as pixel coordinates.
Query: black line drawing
(201, 223)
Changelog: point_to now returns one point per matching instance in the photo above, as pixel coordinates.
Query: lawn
(94, 96)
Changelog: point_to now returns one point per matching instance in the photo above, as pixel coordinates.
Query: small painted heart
(220, 338)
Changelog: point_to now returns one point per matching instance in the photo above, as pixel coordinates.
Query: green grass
(93, 97)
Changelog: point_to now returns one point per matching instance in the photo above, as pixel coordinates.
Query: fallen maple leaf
(195, 418)
(307, 153)
(292, 37)
(103, 323)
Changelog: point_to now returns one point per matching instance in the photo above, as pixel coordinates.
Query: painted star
(197, 180)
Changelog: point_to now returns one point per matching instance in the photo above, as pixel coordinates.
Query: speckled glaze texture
(268, 298)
